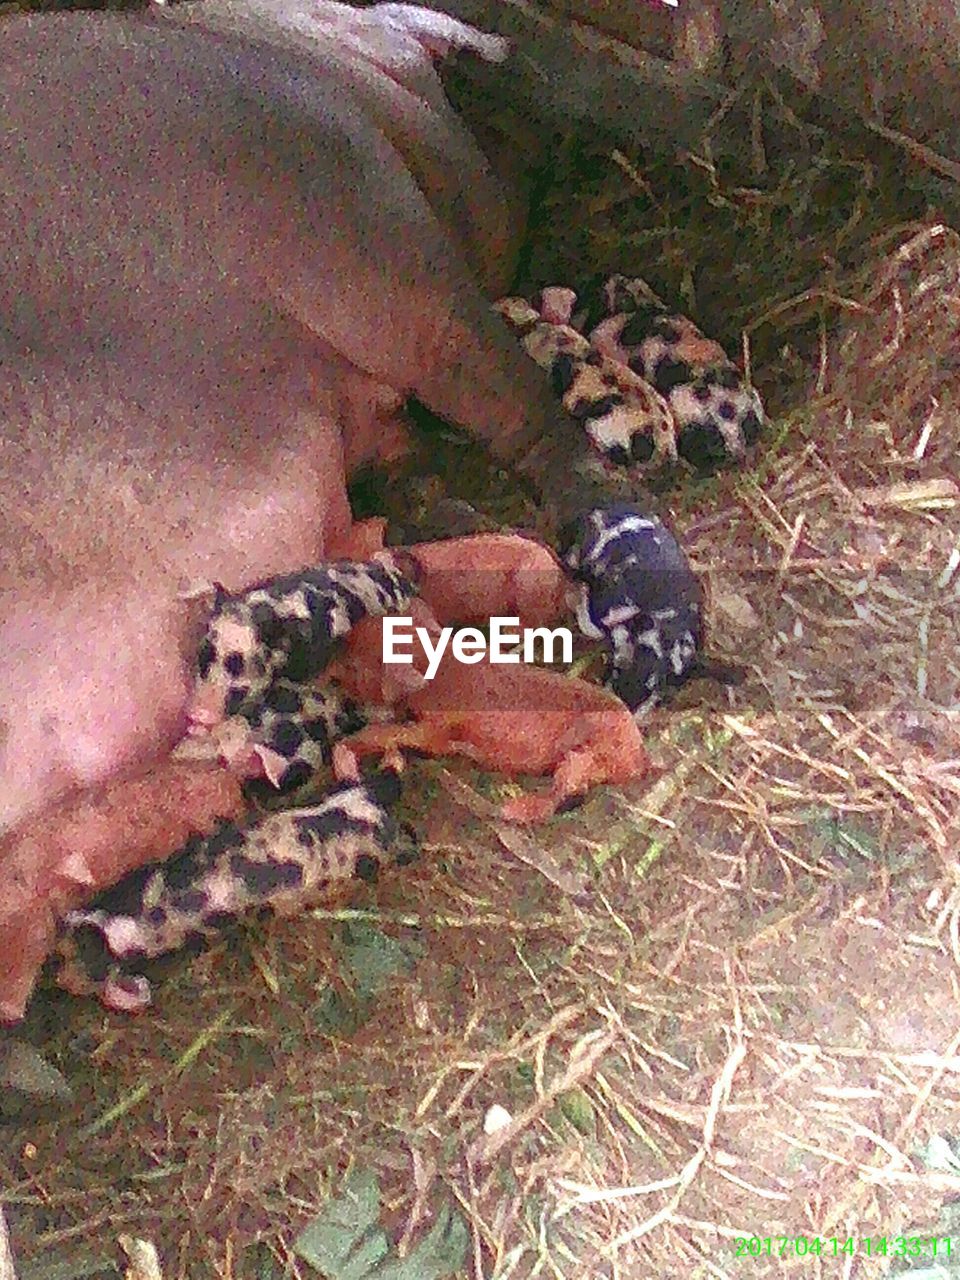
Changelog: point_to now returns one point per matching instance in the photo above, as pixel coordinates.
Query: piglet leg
(431, 737)
(576, 774)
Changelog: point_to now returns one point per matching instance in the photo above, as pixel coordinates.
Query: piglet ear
(440, 35)
(220, 596)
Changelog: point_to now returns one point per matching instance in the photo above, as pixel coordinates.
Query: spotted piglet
(288, 626)
(646, 385)
(625, 419)
(637, 592)
(282, 863)
(718, 415)
(285, 736)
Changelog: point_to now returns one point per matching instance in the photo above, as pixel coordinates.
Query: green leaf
(25, 1071)
(259, 1263)
(576, 1107)
(346, 1242)
(54, 1266)
(439, 1254)
(371, 959)
(338, 1015)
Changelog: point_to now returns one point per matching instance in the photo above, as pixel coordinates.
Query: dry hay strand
(899, 362)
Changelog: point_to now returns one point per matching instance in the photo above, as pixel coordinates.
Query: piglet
(514, 719)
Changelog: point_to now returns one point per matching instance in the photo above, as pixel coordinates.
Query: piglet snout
(126, 993)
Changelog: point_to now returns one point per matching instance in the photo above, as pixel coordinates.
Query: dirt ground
(706, 1027)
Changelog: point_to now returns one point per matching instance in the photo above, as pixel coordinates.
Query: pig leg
(389, 267)
(363, 541)
(305, 201)
(595, 752)
(575, 775)
(586, 764)
(447, 348)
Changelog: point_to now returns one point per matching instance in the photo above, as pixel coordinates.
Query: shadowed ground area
(706, 1027)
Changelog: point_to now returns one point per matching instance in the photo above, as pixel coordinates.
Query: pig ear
(440, 35)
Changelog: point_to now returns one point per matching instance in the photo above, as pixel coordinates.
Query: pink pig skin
(234, 240)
